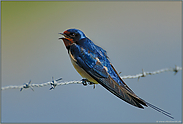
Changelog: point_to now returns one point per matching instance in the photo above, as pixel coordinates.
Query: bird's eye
(72, 34)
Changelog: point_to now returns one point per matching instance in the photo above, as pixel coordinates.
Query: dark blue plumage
(92, 63)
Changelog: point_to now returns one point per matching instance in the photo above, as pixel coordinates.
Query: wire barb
(54, 83)
(176, 69)
(27, 85)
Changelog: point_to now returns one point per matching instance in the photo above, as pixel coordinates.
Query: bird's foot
(84, 82)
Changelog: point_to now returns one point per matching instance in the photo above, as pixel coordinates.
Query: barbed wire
(58, 82)
(144, 74)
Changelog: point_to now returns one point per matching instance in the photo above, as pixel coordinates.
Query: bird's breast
(81, 71)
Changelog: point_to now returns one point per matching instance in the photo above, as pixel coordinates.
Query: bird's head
(72, 36)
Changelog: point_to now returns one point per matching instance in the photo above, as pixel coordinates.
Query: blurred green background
(136, 35)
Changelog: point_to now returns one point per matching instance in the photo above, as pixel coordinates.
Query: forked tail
(159, 110)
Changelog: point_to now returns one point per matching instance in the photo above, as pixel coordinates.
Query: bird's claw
(84, 82)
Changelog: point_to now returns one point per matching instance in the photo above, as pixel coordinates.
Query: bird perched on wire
(92, 63)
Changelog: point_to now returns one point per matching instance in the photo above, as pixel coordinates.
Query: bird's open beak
(63, 35)
(67, 40)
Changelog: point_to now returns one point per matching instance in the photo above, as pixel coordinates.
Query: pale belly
(82, 71)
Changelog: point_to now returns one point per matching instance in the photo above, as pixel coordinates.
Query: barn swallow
(92, 63)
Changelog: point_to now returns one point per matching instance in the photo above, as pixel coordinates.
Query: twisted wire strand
(58, 82)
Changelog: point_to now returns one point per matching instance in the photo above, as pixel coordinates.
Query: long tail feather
(159, 110)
